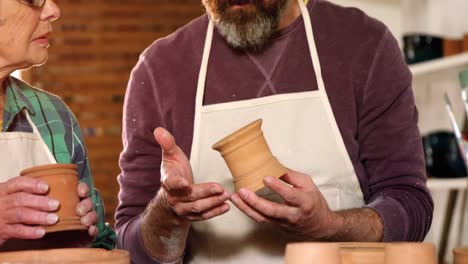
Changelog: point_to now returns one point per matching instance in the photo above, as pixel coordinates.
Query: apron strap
(321, 86)
(49, 154)
(200, 93)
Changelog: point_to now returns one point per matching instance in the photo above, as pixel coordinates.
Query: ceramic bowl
(362, 253)
(306, 253)
(460, 255)
(410, 253)
(69, 256)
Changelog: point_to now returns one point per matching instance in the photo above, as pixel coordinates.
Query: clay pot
(452, 46)
(63, 181)
(72, 256)
(460, 255)
(410, 253)
(249, 157)
(362, 253)
(306, 253)
(465, 43)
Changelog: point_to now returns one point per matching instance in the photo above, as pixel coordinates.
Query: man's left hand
(304, 212)
(85, 210)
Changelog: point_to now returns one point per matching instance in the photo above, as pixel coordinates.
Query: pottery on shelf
(452, 46)
(465, 43)
(249, 157)
(460, 255)
(63, 181)
(71, 256)
(306, 253)
(410, 253)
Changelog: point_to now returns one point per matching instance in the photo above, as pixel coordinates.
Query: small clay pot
(362, 253)
(72, 256)
(63, 181)
(410, 253)
(249, 157)
(452, 47)
(306, 253)
(460, 255)
(465, 43)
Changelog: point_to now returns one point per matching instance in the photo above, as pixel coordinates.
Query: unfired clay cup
(362, 253)
(63, 181)
(71, 256)
(249, 157)
(410, 253)
(460, 255)
(306, 253)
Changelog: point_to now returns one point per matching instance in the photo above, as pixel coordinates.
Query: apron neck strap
(204, 68)
(33, 126)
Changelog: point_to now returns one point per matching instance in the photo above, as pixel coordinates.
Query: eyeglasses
(34, 3)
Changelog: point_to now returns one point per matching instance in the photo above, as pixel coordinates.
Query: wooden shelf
(431, 66)
(447, 184)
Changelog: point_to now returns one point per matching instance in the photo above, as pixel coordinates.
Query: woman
(50, 128)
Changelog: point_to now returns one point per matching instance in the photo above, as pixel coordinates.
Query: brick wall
(95, 45)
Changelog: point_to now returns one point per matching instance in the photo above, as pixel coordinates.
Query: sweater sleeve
(140, 160)
(391, 147)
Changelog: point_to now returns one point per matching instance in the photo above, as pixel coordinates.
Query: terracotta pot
(306, 253)
(72, 256)
(362, 253)
(452, 46)
(63, 181)
(465, 43)
(249, 157)
(410, 253)
(460, 255)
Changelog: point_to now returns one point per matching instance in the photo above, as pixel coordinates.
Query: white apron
(302, 133)
(21, 150)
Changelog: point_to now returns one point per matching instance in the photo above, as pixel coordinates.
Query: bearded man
(338, 110)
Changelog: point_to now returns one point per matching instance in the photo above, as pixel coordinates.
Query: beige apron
(302, 133)
(21, 150)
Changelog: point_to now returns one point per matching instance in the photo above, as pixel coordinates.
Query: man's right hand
(166, 221)
(22, 204)
(189, 201)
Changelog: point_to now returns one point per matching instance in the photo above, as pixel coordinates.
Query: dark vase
(419, 48)
(443, 158)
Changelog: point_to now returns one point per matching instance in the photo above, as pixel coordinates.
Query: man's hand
(189, 201)
(305, 212)
(166, 220)
(23, 203)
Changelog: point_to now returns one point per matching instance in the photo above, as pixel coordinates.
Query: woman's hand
(23, 203)
(85, 209)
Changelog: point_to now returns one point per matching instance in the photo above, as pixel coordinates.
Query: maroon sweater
(369, 88)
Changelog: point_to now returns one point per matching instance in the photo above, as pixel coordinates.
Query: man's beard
(247, 28)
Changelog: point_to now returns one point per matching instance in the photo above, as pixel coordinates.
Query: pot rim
(237, 134)
(49, 167)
